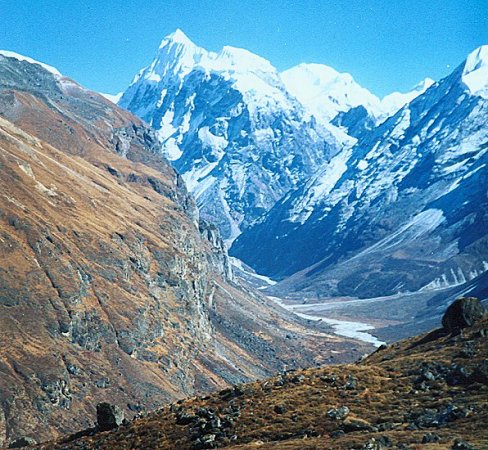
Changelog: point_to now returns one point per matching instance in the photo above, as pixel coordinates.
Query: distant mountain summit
(230, 127)
(326, 92)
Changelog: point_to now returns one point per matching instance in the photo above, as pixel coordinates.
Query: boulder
(430, 437)
(356, 424)
(279, 409)
(459, 444)
(109, 416)
(463, 313)
(338, 413)
(23, 441)
(480, 373)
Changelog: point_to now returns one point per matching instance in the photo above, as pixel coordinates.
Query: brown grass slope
(107, 289)
(428, 388)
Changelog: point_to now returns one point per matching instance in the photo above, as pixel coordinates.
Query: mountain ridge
(438, 379)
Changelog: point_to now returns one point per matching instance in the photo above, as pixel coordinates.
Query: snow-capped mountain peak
(326, 92)
(176, 57)
(177, 37)
(475, 72)
(239, 139)
(51, 69)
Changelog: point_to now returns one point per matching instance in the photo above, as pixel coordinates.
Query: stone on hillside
(461, 445)
(430, 437)
(23, 441)
(463, 313)
(279, 409)
(480, 373)
(355, 424)
(338, 413)
(109, 416)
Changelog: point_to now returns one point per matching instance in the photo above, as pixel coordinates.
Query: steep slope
(403, 210)
(108, 289)
(230, 127)
(358, 121)
(428, 392)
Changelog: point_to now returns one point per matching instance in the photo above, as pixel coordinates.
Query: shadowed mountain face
(109, 286)
(425, 392)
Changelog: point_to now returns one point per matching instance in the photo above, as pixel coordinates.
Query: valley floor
(346, 328)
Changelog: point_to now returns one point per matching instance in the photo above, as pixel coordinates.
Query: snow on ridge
(243, 59)
(114, 98)
(178, 36)
(188, 56)
(475, 72)
(19, 57)
(251, 74)
(321, 187)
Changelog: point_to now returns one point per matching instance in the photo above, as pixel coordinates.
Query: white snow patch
(321, 187)
(363, 164)
(475, 73)
(209, 139)
(196, 179)
(420, 225)
(19, 57)
(166, 126)
(235, 230)
(171, 150)
(114, 98)
(238, 263)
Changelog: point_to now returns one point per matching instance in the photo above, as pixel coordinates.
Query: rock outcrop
(463, 313)
(109, 416)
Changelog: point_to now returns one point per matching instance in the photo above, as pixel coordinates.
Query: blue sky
(386, 45)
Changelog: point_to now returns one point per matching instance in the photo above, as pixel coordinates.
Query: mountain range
(340, 207)
(316, 182)
(241, 134)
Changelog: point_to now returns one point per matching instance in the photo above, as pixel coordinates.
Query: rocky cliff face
(108, 290)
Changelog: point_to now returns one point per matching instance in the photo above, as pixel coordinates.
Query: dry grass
(386, 393)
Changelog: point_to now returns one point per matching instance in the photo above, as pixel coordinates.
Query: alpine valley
(351, 222)
(323, 191)
(111, 286)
